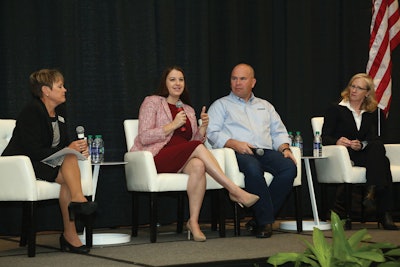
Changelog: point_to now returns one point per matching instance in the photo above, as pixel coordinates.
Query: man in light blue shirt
(244, 122)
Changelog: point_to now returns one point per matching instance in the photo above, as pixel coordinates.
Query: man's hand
(240, 147)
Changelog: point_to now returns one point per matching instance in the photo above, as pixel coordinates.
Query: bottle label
(317, 152)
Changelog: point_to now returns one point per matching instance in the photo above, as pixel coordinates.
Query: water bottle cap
(98, 136)
(298, 132)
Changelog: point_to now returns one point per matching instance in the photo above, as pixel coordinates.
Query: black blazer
(33, 135)
(339, 121)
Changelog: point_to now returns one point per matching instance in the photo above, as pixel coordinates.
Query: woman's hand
(353, 144)
(80, 146)
(204, 118)
(204, 121)
(343, 141)
(180, 119)
(356, 145)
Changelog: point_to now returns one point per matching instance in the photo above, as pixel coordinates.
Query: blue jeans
(273, 196)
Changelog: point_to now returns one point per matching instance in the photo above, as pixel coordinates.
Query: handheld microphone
(80, 131)
(258, 151)
(179, 106)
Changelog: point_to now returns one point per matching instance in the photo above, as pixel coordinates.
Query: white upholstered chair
(18, 183)
(337, 168)
(232, 171)
(142, 177)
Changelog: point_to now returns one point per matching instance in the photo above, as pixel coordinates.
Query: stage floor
(174, 249)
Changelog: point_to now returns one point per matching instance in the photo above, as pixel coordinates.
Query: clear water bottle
(317, 151)
(298, 141)
(98, 149)
(291, 137)
(90, 143)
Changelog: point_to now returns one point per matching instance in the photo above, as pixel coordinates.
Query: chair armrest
(336, 168)
(393, 153)
(140, 171)
(85, 168)
(17, 179)
(297, 155)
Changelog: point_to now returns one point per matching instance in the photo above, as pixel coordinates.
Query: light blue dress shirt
(255, 122)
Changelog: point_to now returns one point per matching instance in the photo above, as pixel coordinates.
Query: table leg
(104, 238)
(311, 190)
(95, 178)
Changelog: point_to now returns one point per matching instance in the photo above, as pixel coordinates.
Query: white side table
(309, 225)
(105, 238)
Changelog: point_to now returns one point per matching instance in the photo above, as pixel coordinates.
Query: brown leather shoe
(264, 231)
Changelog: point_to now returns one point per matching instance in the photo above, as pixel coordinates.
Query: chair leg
(89, 219)
(24, 225)
(349, 196)
(180, 209)
(324, 209)
(221, 212)
(214, 210)
(28, 231)
(363, 218)
(298, 209)
(153, 217)
(135, 213)
(236, 218)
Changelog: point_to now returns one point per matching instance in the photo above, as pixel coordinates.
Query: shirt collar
(345, 103)
(251, 99)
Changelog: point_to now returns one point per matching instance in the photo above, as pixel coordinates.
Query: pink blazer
(154, 113)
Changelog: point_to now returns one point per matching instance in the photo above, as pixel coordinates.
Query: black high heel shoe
(387, 222)
(85, 208)
(66, 246)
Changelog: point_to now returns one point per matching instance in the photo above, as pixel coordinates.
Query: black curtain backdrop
(112, 54)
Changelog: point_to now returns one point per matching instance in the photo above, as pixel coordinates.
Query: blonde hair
(369, 104)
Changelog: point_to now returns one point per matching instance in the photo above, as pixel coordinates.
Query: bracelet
(286, 148)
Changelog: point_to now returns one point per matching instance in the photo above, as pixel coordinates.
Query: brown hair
(163, 89)
(43, 77)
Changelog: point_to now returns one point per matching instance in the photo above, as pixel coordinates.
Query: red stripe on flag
(385, 36)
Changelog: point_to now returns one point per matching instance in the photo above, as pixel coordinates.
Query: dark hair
(163, 89)
(43, 77)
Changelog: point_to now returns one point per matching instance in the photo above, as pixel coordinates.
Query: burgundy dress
(176, 152)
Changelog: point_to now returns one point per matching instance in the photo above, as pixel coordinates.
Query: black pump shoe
(66, 246)
(387, 222)
(85, 208)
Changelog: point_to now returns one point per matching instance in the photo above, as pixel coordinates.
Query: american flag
(385, 36)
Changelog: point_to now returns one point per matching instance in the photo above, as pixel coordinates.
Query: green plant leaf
(341, 248)
(282, 258)
(321, 248)
(376, 256)
(355, 239)
(393, 252)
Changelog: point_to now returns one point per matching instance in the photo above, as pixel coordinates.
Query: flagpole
(379, 121)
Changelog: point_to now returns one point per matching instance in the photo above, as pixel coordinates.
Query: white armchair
(232, 171)
(18, 183)
(337, 168)
(141, 176)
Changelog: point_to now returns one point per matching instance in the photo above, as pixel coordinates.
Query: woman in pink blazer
(168, 129)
